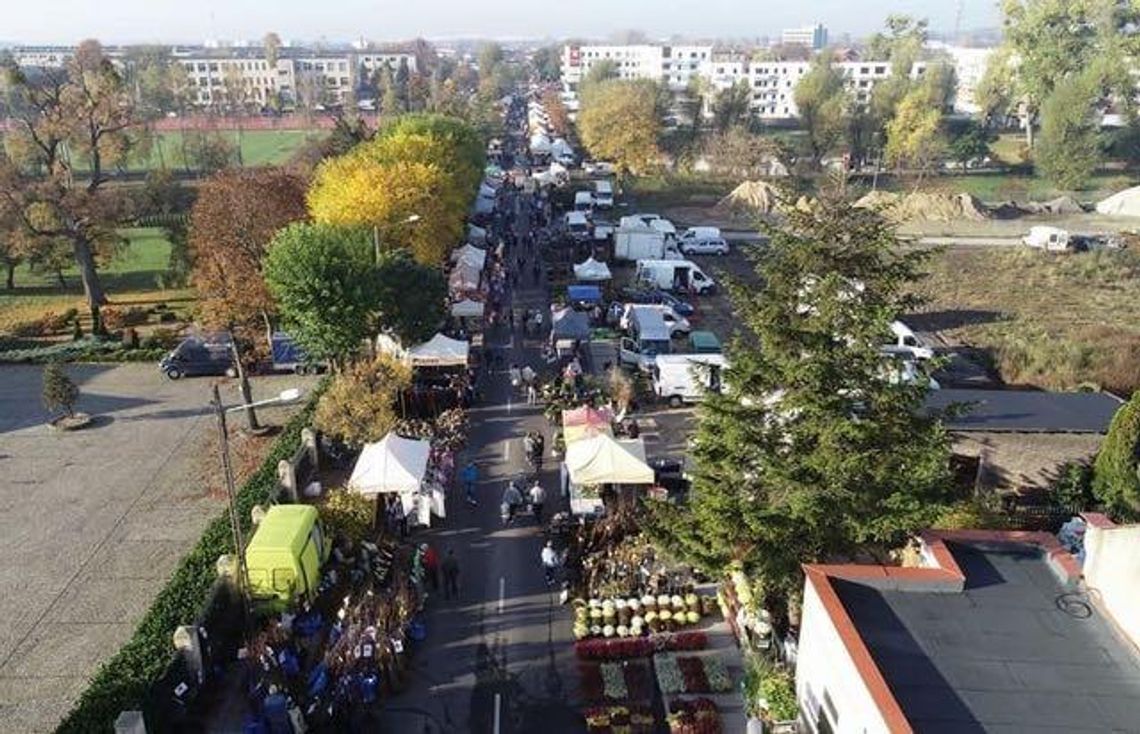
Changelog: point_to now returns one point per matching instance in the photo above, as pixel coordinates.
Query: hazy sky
(114, 21)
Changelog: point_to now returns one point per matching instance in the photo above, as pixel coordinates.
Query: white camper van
(603, 194)
(1050, 239)
(905, 343)
(684, 378)
(675, 275)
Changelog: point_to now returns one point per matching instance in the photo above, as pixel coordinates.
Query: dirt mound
(1122, 204)
(923, 206)
(1060, 205)
(750, 197)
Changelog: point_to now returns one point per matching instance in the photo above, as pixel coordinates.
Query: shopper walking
(537, 496)
(431, 566)
(470, 475)
(450, 575)
(512, 499)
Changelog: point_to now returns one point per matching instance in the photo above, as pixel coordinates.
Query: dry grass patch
(1057, 321)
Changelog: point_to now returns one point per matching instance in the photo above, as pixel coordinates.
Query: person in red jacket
(431, 566)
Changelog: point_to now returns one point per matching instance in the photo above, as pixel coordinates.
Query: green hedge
(122, 682)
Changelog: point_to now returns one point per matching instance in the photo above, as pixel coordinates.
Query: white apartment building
(369, 62)
(814, 37)
(670, 65)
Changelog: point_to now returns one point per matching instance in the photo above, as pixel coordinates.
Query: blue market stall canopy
(584, 293)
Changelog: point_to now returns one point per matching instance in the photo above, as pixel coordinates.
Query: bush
(122, 682)
(1073, 487)
(59, 393)
(1115, 479)
(348, 514)
(115, 319)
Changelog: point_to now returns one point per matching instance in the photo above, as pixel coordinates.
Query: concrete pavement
(93, 522)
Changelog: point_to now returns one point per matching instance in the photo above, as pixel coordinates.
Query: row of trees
(1061, 66)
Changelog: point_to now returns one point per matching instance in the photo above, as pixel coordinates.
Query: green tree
(324, 282)
(822, 101)
(914, 134)
(360, 404)
(411, 298)
(600, 71)
(809, 452)
(59, 392)
(993, 93)
(619, 121)
(970, 141)
(547, 63)
(1069, 151)
(732, 107)
(1116, 481)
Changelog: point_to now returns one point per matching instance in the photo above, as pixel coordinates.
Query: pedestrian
(516, 376)
(528, 375)
(450, 567)
(550, 562)
(512, 499)
(537, 496)
(431, 566)
(470, 475)
(535, 271)
(531, 394)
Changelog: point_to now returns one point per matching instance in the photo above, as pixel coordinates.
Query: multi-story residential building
(670, 65)
(369, 62)
(814, 37)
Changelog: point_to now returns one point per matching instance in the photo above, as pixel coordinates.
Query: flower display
(669, 677)
(613, 681)
(697, 716)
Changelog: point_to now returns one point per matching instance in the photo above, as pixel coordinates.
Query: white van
(674, 275)
(697, 234)
(684, 378)
(651, 221)
(634, 313)
(640, 351)
(603, 194)
(904, 342)
(577, 226)
(583, 202)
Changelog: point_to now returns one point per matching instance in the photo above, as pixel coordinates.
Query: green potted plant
(60, 395)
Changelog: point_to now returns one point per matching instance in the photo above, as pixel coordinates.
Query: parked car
(598, 168)
(653, 295)
(704, 247)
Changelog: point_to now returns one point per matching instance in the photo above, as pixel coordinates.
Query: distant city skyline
(165, 21)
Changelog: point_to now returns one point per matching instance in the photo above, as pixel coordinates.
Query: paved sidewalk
(93, 522)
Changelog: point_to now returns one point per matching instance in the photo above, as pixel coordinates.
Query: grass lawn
(134, 277)
(1055, 321)
(258, 148)
(1020, 187)
(656, 193)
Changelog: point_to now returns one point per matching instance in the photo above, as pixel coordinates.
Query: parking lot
(92, 522)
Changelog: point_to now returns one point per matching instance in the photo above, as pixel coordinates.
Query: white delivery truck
(651, 221)
(641, 243)
(577, 226)
(583, 202)
(604, 194)
(674, 275)
(684, 378)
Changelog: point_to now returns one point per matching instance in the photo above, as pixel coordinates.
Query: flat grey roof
(1027, 411)
(1000, 656)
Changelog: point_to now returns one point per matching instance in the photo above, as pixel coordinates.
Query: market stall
(400, 466)
(464, 278)
(470, 254)
(467, 308)
(593, 463)
(439, 351)
(568, 326)
(592, 271)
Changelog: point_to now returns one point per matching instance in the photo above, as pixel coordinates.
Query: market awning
(469, 253)
(476, 234)
(592, 271)
(393, 464)
(464, 277)
(570, 324)
(467, 308)
(584, 293)
(586, 422)
(606, 460)
(439, 351)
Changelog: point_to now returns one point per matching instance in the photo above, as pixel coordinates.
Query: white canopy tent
(592, 271)
(439, 351)
(539, 144)
(606, 460)
(560, 147)
(467, 308)
(488, 191)
(464, 277)
(470, 254)
(476, 234)
(392, 465)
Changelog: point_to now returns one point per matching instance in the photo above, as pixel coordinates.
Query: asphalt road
(500, 658)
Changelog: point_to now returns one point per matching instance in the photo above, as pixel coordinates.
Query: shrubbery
(122, 682)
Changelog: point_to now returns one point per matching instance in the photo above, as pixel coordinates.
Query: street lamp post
(220, 411)
(411, 219)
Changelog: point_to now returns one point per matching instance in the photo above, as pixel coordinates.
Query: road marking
(498, 706)
(507, 450)
(502, 592)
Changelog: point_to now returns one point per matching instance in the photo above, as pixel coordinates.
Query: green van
(704, 342)
(284, 557)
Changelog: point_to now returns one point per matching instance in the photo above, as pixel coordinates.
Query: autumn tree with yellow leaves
(620, 121)
(425, 165)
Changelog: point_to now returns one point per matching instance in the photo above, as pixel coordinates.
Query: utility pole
(231, 497)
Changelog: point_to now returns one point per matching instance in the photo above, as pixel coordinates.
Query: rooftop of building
(994, 637)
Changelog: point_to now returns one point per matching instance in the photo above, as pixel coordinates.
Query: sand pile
(923, 206)
(1122, 204)
(1060, 205)
(750, 197)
